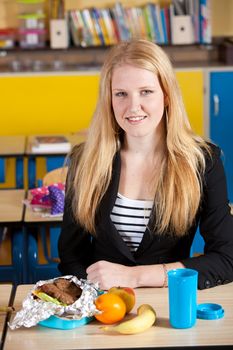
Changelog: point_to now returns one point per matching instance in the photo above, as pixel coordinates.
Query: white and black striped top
(130, 218)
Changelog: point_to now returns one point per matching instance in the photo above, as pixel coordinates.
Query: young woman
(142, 183)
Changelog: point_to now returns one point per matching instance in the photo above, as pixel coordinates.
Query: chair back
(55, 176)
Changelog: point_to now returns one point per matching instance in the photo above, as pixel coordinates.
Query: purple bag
(57, 197)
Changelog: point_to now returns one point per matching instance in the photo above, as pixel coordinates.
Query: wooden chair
(55, 176)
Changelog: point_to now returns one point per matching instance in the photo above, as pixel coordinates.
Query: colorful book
(205, 23)
(159, 20)
(148, 9)
(168, 24)
(96, 18)
(164, 25)
(109, 26)
(74, 29)
(51, 144)
(155, 24)
(103, 27)
(141, 23)
(90, 26)
(121, 20)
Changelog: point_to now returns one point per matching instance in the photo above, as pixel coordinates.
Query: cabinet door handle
(216, 105)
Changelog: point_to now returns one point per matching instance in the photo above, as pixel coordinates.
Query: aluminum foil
(36, 310)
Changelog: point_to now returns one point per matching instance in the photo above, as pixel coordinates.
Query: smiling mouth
(136, 119)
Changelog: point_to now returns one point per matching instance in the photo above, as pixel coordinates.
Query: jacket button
(207, 284)
(218, 282)
(225, 282)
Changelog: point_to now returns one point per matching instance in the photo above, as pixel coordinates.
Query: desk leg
(19, 172)
(31, 172)
(18, 255)
(2, 170)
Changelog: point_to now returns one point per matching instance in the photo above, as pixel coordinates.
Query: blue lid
(210, 311)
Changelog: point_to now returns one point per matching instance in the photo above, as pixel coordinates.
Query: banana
(145, 318)
(6, 308)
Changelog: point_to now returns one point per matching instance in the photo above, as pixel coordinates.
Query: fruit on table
(112, 306)
(146, 317)
(127, 294)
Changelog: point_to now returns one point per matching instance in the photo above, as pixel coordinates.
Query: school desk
(12, 150)
(213, 334)
(11, 235)
(5, 295)
(39, 164)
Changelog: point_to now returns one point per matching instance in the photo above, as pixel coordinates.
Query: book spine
(150, 22)
(155, 23)
(168, 24)
(158, 16)
(90, 25)
(121, 20)
(84, 34)
(115, 27)
(109, 26)
(103, 28)
(146, 19)
(205, 24)
(88, 37)
(142, 24)
(74, 29)
(164, 25)
(96, 20)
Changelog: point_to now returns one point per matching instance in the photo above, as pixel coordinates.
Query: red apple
(127, 294)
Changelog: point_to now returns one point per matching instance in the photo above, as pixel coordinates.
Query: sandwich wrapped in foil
(35, 310)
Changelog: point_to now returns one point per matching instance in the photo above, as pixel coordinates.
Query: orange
(112, 306)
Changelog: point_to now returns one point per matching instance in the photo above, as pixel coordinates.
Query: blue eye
(146, 92)
(120, 94)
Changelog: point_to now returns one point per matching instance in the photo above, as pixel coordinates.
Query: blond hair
(178, 193)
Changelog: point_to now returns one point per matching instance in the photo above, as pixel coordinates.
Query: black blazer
(78, 249)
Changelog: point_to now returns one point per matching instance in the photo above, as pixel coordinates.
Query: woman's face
(137, 100)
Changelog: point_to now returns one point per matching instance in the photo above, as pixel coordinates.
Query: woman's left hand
(109, 274)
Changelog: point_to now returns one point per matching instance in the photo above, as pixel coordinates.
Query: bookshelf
(79, 58)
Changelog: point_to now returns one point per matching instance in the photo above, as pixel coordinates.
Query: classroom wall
(64, 103)
(44, 104)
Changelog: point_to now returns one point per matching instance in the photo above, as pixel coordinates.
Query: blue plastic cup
(182, 291)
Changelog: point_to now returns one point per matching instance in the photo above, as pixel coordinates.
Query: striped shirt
(130, 218)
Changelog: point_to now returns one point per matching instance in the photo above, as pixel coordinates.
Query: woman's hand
(109, 274)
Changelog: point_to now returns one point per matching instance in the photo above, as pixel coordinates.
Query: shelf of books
(164, 22)
(79, 32)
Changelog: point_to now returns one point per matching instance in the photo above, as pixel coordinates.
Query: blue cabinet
(221, 119)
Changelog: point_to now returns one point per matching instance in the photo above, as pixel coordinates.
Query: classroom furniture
(40, 164)
(55, 176)
(41, 238)
(11, 216)
(12, 150)
(5, 296)
(211, 333)
(220, 118)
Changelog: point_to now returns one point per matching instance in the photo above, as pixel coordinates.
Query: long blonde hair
(179, 190)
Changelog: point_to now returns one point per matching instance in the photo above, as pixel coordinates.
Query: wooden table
(40, 163)
(5, 294)
(11, 206)
(204, 333)
(12, 248)
(12, 147)
(74, 139)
